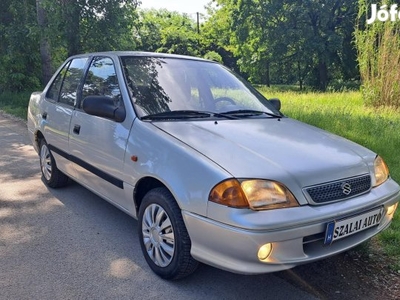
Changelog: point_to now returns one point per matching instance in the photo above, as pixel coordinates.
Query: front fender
(188, 174)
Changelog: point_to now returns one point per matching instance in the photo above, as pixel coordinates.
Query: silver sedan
(212, 170)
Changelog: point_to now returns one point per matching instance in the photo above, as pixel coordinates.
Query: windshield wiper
(249, 113)
(185, 114)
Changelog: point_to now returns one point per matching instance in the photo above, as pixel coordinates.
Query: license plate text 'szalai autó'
(339, 229)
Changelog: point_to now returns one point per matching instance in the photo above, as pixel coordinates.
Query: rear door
(57, 109)
(98, 144)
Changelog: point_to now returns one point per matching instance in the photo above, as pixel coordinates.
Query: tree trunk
(323, 76)
(267, 75)
(45, 54)
(71, 15)
(300, 75)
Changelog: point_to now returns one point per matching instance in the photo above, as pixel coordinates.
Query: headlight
(256, 194)
(381, 171)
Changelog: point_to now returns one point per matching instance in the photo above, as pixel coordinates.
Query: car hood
(284, 149)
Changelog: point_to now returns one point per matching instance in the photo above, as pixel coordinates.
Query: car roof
(139, 53)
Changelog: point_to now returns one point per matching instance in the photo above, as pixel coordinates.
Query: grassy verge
(15, 103)
(344, 114)
(340, 113)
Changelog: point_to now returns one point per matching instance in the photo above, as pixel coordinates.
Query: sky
(182, 6)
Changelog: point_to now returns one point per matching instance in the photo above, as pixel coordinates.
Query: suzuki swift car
(212, 170)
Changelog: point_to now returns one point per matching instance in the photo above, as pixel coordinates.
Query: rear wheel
(51, 175)
(163, 236)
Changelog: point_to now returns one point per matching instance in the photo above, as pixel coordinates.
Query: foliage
(167, 32)
(378, 47)
(15, 104)
(212, 55)
(216, 35)
(19, 60)
(288, 41)
(91, 25)
(63, 28)
(306, 42)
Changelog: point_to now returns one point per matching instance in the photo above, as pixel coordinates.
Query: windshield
(160, 86)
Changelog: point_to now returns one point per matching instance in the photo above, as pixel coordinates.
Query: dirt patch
(352, 275)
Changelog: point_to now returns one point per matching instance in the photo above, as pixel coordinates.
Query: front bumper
(235, 248)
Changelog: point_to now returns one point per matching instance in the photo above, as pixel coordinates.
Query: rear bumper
(236, 249)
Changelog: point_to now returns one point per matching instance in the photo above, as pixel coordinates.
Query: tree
(19, 59)
(268, 41)
(216, 35)
(167, 32)
(307, 37)
(92, 25)
(38, 34)
(45, 54)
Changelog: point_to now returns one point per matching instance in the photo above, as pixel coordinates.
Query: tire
(164, 239)
(51, 175)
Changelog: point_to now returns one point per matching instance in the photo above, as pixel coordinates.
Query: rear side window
(65, 85)
(101, 80)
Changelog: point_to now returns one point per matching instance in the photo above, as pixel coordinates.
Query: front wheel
(163, 236)
(52, 176)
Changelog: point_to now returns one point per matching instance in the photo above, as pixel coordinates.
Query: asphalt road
(70, 244)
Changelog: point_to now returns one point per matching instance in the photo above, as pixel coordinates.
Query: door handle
(44, 115)
(77, 129)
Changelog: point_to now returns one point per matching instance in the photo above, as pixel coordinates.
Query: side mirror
(275, 103)
(103, 106)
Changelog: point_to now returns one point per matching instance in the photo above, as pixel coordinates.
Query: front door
(97, 144)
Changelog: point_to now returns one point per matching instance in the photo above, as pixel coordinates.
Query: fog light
(264, 251)
(391, 209)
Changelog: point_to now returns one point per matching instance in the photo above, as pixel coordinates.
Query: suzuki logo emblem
(346, 188)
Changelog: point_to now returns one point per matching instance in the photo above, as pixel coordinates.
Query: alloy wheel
(158, 235)
(45, 162)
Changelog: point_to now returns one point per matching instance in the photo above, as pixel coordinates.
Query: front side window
(101, 80)
(72, 79)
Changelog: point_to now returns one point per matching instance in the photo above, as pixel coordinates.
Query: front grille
(339, 190)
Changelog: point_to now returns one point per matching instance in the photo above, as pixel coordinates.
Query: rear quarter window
(54, 91)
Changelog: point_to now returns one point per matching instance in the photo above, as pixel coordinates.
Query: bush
(212, 55)
(378, 47)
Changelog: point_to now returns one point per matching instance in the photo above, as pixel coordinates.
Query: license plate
(337, 230)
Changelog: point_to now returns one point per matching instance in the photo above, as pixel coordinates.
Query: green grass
(15, 103)
(342, 113)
